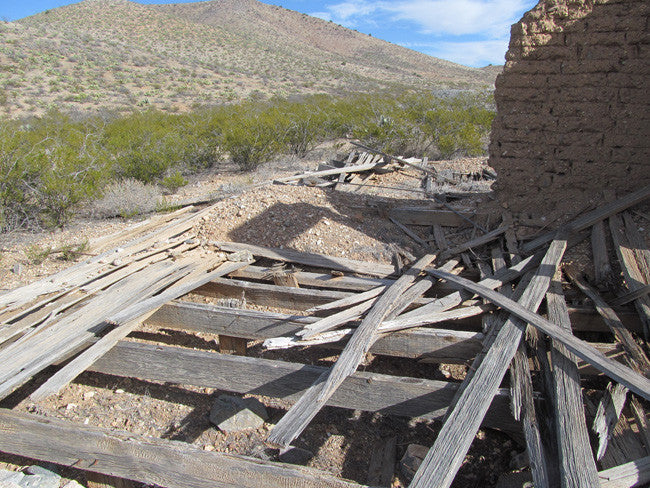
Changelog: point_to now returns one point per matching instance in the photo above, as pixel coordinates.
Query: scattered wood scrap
(434, 310)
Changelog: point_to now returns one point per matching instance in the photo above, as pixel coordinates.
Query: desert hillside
(116, 54)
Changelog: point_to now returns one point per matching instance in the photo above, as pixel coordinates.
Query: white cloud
(471, 53)
(459, 17)
(470, 32)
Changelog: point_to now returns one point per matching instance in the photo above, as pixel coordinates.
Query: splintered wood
(433, 310)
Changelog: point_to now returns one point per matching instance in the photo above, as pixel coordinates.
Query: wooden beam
(576, 462)
(311, 259)
(372, 392)
(172, 464)
(477, 242)
(445, 457)
(633, 276)
(602, 268)
(628, 475)
(427, 216)
(637, 357)
(613, 369)
(590, 218)
(330, 172)
(317, 280)
(299, 416)
(438, 345)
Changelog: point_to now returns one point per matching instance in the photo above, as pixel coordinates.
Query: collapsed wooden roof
(84, 313)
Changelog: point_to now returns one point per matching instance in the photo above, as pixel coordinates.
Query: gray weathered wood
(420, 343)
(614, 370)
(311, 259)
(640, 246)
(607, 415)
(628, 475)
(382, 462)
(372, 392)
(155, 461)
(317, 280)
(331, 172)
(127, 320)
(349, 300)
(590, 218)
(410, 233)
(477, 242)
(297, 418)
(630, 296)
(638, 359)
(427, 216)
(576, 462)
(602, 268)
(631, 272)
(462, 422)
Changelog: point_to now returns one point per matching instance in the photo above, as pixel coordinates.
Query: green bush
(51, 165)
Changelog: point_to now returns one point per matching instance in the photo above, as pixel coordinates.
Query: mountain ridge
(117, 54)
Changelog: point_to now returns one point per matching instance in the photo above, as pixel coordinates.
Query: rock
(18, 269)
(10, 477)
(413, 457)
(40, 477)
(295, 455)
(233, 414)
(73, 484)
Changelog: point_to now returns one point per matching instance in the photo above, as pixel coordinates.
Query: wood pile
(511, 316)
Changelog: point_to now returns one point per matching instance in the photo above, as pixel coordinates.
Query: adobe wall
(572, 106)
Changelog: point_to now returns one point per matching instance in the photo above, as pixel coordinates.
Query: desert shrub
(173, 182)
(47, 168)
(127, 198)
(250, 135)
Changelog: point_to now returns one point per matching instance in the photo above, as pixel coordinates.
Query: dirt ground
(304, 218)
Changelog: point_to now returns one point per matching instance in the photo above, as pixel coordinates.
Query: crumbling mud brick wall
(573, 107)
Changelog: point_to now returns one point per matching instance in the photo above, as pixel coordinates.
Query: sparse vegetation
(50, 165)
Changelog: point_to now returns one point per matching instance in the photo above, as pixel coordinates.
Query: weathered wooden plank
(40, 348)
(462, 422)
(630, 296)
(410, 233)
(602, 268)
(614, 370)
(166, 463)
(628, 475)
(372, 392)
(382, 462)
(269, 295)
(590, 218)
(638, 359)
(427, 216)
(299, 416)
(311, 259)
(640, 246)
(331, 172)
(316, 280)
(127, 320)
(607, 415)
(420, 343)
(349, 300)
(576, 462)
(633, 276)
(477, 242)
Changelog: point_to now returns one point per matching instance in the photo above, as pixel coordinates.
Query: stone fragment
(413, 457)
(40, 477)
(295, 455)
(10, 477)
(73, 484)
(233, 414)
(18, 269)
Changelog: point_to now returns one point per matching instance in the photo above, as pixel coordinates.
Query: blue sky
(470, 32)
